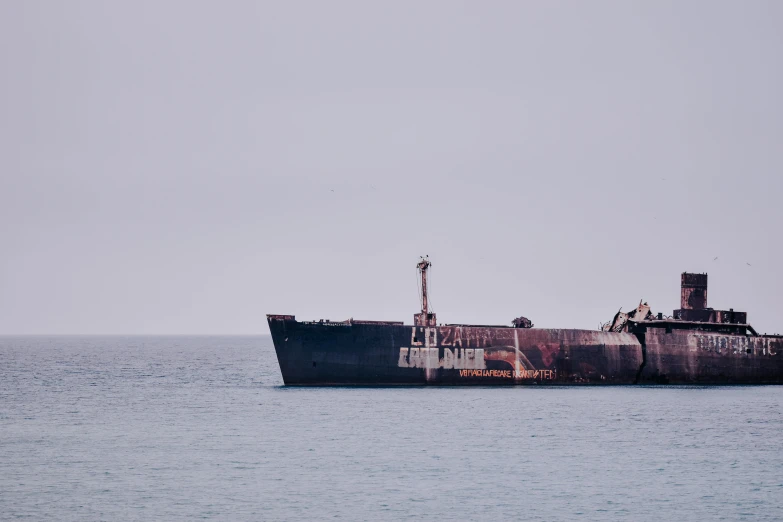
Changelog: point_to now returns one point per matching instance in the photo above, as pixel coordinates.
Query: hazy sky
(190, 166)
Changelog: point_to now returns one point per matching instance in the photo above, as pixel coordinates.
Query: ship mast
(423, 266)
(425, 318)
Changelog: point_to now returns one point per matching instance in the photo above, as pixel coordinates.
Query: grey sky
(187, 167)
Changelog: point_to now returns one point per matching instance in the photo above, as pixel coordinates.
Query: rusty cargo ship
(695, 345)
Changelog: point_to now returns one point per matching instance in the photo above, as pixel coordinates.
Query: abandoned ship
(695, 345)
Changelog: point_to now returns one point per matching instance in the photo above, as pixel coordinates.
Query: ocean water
(174, 428)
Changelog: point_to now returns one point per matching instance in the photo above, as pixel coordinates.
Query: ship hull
(703, 357)
(353, 353)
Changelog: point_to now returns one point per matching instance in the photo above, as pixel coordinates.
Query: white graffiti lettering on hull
(429, 358)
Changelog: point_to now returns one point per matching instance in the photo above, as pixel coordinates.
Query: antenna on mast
(424, 318)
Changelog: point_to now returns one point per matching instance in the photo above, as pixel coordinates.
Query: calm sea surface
(135, 428)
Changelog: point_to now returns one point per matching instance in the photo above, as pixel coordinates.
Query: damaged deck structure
(696, 345)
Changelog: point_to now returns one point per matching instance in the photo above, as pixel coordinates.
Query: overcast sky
(190, 166)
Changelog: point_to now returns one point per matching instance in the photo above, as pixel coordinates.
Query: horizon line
(133, 334)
